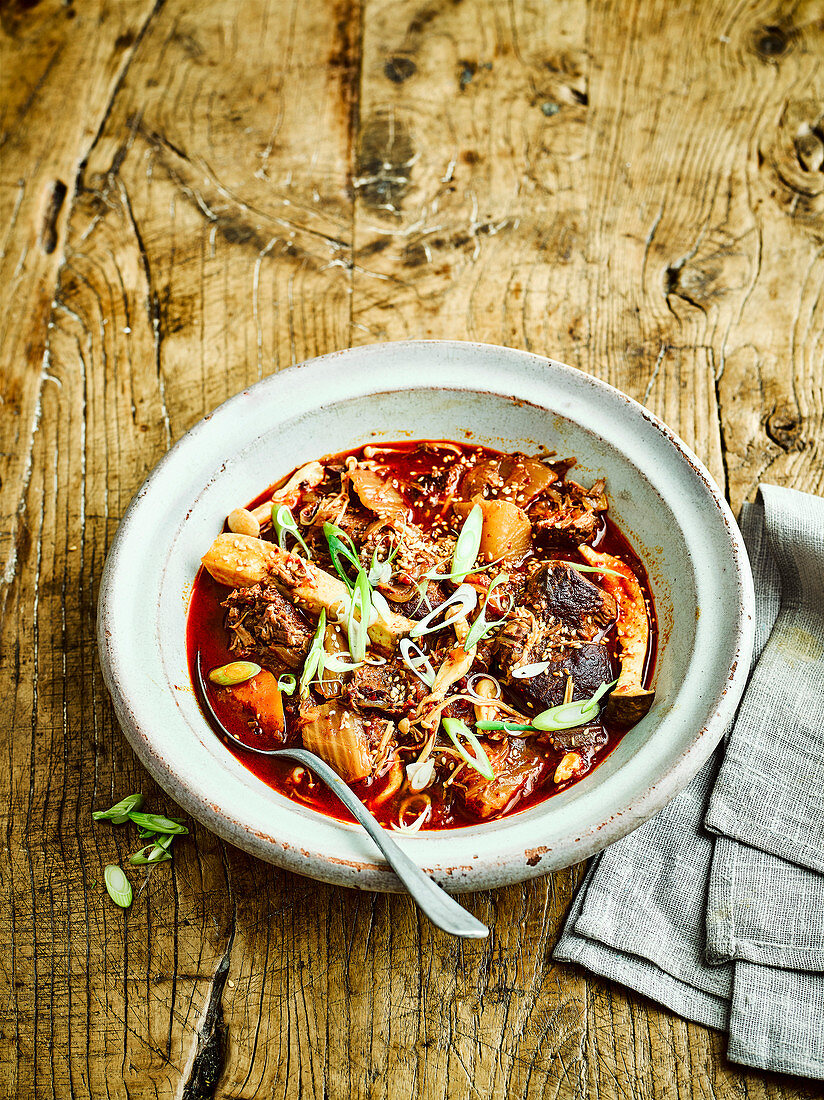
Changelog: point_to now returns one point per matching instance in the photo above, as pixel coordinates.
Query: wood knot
(771, 42)
(784, 427)
(399, 69)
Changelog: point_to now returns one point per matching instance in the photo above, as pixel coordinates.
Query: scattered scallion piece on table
(118, 886)
(119, 813)
(158, 823)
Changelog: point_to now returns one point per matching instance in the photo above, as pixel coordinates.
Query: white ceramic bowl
(660, 494)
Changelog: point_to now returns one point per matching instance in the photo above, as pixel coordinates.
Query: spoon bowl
(444, 912)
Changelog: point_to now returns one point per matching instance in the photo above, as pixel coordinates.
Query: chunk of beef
(264, 625)
(569, 512)
(387, 688)
(589, 665)
(581, 737)
(558, 591)
(518, 770)
(418, 606)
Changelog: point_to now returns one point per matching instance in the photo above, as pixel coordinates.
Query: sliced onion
(416, 660)
(527, 672)
(414, 826)
(420, 774)
(465, 598)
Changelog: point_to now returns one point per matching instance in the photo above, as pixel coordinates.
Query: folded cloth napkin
(715, 907)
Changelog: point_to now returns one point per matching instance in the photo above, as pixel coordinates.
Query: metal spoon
(442, 910)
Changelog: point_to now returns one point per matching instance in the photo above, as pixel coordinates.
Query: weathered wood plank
(257, 185)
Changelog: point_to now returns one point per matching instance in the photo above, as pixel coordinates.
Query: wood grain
(194, 196)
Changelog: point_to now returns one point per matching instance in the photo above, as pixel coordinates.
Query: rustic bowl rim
(358, 864)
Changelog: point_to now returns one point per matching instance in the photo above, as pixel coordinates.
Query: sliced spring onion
(477, 759)
(464, 599)
(527, 672)
(416, 661)
(468, 544)
(594, 569)
(157, 823)
(334, 662)
(284, 524)
(158, 851)
(118, 886)
(119, 813)
(375, 661)
(337, 540)
(568, 715)
(507, 727)
(434, 576)
(314, 657)
(380, 572)
(236, 672)
(480, 628)
(360, 617)
(380, 605)
(287, 683)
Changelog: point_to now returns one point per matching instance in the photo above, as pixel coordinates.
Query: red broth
(208, 641)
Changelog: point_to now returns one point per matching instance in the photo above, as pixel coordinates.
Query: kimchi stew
(459, 633)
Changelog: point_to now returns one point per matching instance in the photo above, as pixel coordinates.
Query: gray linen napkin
(722, 930)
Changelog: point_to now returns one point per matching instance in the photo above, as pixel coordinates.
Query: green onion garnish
(314, 658)
(287, 683)
(477, 759)
(380, 572)
(563, 717)
(594, 569)
(284, 524)
(480, 628)
(337, 540)
(158, 823)
(508, 727)
(360, 614)
(464, 599)
(568, 715)
(119, 813)
(158, 852)
(468, 544)
(118, 886)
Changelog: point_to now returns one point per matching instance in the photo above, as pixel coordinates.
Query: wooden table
(195, 195)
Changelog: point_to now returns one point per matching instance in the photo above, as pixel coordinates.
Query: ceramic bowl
(660, 494)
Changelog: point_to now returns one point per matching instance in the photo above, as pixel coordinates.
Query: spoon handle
(441, 909)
